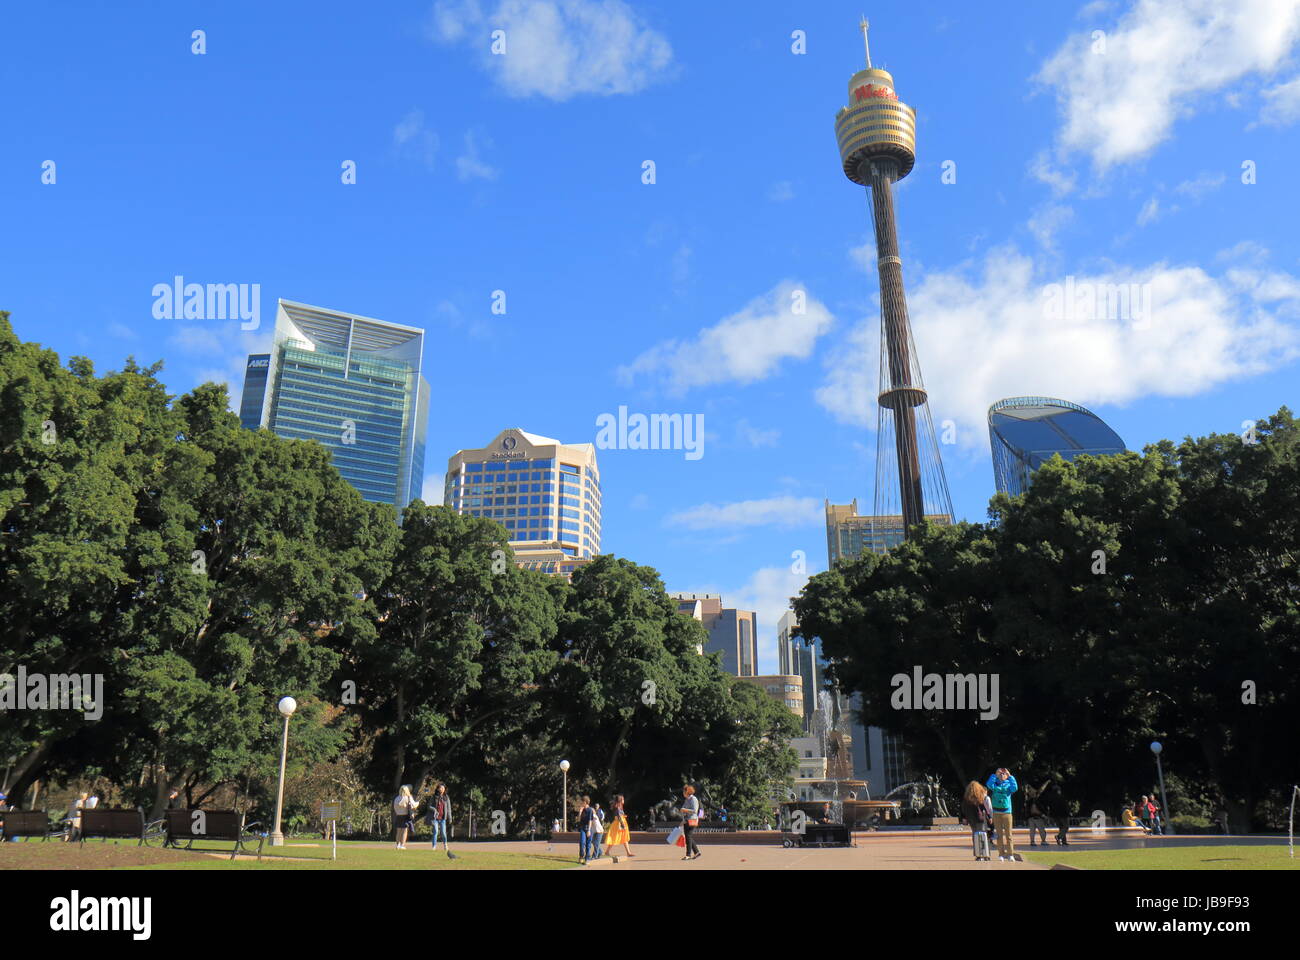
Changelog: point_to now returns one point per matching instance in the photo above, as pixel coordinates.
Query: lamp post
(564, 798)
(1157, 748)
(286, 706)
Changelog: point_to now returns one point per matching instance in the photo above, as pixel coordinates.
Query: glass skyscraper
(1026, 432)
(352, 383)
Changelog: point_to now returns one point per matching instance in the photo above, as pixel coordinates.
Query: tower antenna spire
(863, 26)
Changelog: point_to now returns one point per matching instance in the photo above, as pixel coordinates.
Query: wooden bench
(24, 823)
(116, 824)
(225, 825)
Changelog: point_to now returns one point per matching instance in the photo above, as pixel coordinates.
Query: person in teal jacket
(1001, 786)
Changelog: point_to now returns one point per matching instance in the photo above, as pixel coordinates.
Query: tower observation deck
(876, 134)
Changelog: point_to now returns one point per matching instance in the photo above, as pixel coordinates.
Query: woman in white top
(404, 814)
(74, 814)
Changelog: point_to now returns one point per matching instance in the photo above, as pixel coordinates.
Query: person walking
(597, 832)
(1037, 815)
(1141, 812)
(1053, 803)
(403, 814)
(690, 814)
(1001, 785)
(585, 814)
(976, 812)
(1153, 815)
(439, 817)
(618, 830)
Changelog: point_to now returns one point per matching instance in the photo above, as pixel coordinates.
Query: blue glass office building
(1026, 432)
(352, 383)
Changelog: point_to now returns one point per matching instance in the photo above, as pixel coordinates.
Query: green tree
(1120, 599)
(642, 711)
(462, 638)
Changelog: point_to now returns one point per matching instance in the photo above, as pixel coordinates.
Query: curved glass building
(1025, 432)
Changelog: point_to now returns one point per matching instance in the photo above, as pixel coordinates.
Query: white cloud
(681, 266)
(469, 166)
(559, 48)
(755, 436)
(413, 138)
(1159, 63)
(224, 349)
(432, 490)
(767, 592)
(1042, 168)
(784, 512)
(1047, 222)
(781, 191)
(1281, 104)
(1201, 185)
(1149, 213)
(986, 337)
(864, 256)
(197, 340)
(121, 331)
(747, 346)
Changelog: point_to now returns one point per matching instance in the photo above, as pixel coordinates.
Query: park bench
(114, 824)
(24, 823)
(225, 825)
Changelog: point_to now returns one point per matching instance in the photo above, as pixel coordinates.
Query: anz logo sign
(259, 363)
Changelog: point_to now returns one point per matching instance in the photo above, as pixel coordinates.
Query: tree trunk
(613, 756)
(30, 767)
(162, 789)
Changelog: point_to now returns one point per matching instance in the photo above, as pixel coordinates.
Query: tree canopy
(1119, 600)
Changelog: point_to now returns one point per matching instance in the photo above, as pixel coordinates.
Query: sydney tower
(877, 140)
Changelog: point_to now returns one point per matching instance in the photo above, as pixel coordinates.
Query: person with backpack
(977, 813)
(1001, 785)
(438, 817)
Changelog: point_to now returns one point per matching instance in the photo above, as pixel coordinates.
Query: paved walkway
(919, 850)
(948, 851)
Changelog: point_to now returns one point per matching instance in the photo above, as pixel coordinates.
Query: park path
(931, 852)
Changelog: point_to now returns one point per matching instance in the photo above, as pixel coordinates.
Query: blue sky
(1116, 157)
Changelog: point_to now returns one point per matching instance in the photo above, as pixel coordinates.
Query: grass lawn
(1174, 858)
(314, 855)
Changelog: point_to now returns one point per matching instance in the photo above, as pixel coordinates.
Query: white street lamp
(1157, 749)
(564, 797)
(286, 706)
